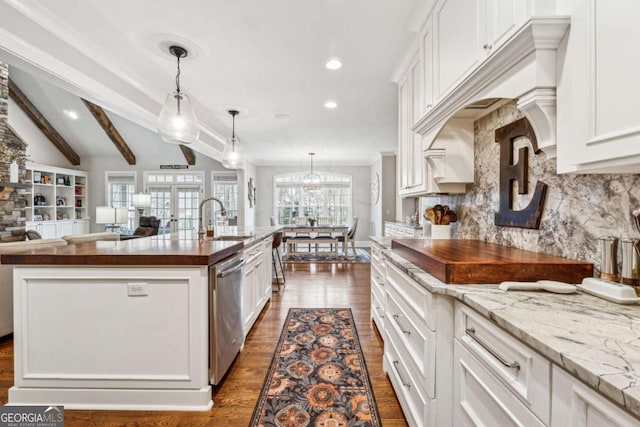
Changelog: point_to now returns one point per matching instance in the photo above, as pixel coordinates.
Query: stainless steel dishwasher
(226, 335)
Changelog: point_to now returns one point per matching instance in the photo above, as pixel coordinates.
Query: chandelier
(311, 181)
(177, 122)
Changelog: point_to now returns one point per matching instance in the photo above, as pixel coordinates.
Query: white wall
(361, 176)
(39, 148)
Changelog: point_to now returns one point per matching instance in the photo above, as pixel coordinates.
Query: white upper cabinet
(458, 30)
(410, 107)
(598, 125)
(502, 17)
(426, 58)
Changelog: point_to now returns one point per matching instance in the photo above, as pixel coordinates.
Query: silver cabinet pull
(404, 383)
(404, 331)
(379, 281)
(378, 310)
(472, 333)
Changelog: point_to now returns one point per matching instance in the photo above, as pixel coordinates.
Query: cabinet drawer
(418, 409)
(520, 369)
(421, 301)
(576, 405)
(414, 338)
(479, 399)
(378, 313)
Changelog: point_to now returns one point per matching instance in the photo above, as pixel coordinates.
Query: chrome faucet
(223, 212)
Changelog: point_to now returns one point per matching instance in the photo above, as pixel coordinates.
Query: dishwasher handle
(237, 267)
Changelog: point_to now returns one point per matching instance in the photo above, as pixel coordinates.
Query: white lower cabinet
(494, 370)
(57, 229)
(574, 404)
(419, 338)
(451, 366)
(256, 287)
(47, 230)
(378, 290)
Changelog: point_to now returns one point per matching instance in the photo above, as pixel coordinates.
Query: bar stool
(277, 241)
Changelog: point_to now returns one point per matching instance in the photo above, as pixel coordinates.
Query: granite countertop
(595, 340)
(182, 248)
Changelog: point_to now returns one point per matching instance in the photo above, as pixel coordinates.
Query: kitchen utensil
(609, 258)
(540, 285)
(611, 291)
(630, 273)
(430, 215)
(636, 218)
(439, 209)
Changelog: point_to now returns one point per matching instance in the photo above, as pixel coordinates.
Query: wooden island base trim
(116, 399)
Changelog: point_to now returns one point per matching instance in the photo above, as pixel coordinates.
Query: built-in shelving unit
(57, 202)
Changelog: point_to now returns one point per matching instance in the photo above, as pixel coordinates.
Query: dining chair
(351, 234)
(300, 220)
(324, 220)
(275, 253)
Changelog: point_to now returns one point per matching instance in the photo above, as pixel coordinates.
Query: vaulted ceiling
(264, 58)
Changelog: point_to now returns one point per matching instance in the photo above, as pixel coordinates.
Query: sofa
(6, 277)
(74, 239)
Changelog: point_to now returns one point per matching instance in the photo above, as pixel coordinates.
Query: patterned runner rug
(317, 375)
(362, 256)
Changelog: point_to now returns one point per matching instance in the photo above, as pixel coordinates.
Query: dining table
(315, 229)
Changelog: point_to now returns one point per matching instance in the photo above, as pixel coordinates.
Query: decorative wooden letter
(530, 216)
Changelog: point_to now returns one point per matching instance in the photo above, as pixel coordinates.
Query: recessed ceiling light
(282, 116)
(333, 64)
(71, 114)
(330, 104)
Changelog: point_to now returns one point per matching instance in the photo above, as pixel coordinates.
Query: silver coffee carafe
(609, 258)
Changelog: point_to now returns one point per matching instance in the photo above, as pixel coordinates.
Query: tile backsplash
(578, 208)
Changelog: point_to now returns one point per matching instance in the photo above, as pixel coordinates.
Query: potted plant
(312, 221)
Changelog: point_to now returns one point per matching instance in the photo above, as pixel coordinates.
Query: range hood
(523, 68)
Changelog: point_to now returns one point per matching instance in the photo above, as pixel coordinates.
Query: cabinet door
(427, 59)
(80, 227)
(403, 134)
(458, 39)
(64, 228)
(479, 399)
(598, 116)
(414, 151)
(502, 17)
(248, 302)
(48, 230)
(574, 404)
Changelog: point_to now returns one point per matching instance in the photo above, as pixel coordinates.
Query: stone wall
(12, 215)
(578, 209)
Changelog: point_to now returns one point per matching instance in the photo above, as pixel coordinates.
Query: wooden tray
(475, 261)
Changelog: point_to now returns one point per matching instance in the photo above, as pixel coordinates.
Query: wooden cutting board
(475, 261)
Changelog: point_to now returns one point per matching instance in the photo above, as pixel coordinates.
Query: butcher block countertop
(475, 261)
(170, 249)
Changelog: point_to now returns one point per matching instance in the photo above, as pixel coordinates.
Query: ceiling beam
(45, 127)
(189, 154)
(111, 131)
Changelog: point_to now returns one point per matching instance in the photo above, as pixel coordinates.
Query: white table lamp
(111, 217)
(140, 201)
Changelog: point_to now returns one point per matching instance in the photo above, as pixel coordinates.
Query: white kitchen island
(115, 325)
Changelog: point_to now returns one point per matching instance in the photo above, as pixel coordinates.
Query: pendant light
(177, 123)
(311, 181)
(233, 153)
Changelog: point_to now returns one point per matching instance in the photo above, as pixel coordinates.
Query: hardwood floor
(314, 285)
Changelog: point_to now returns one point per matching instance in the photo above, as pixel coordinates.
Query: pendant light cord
(178, 76)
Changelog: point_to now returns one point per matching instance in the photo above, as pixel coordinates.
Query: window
(225, 188)
(175, 197)
(333, 200)
(120, 189)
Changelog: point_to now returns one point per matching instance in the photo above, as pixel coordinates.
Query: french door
(175, 204)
